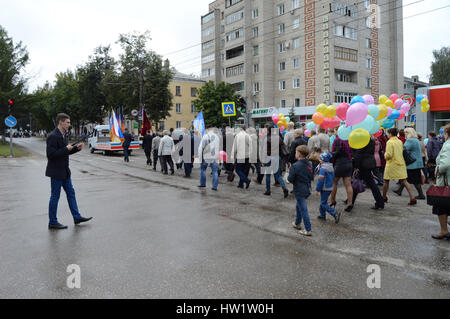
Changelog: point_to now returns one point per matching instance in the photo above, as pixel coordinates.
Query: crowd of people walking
(293, 158)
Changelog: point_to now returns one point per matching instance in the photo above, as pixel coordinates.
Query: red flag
(146, 126)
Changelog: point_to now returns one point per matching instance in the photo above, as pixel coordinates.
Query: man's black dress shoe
(57, 226)
(82, 220)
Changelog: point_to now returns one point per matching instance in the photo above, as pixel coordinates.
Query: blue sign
(229, 109)
(10, 121)
(413, 118)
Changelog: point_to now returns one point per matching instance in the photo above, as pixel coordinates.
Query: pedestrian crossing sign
(228, 109)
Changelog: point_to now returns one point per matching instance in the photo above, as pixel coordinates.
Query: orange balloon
(318, 118)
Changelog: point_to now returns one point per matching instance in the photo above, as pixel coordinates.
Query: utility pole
(141, 87)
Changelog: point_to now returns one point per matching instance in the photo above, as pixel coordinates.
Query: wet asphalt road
(156, 236)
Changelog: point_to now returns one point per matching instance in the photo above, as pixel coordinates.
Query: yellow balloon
(330, 111)
(425, 102)
(359, 138)
(389, 103)
(383, 111)
(322, 108)
(382, 99)
(280, 116)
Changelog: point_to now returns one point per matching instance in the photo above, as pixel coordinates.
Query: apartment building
(281, 54)
(184, 90)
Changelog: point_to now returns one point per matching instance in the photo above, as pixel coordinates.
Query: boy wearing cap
(325, 186)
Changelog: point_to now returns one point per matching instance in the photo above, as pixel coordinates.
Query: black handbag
(408, 158)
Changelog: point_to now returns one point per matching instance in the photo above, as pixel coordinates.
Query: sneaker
(267, 193)
(299, 227)
(305, 233)
(286, 193)
(337, 216)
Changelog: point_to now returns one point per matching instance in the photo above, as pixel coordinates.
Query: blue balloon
(388, 123)
(441, 131)
(357, 99)
(344, 132)
(395, 115)
(419, 98)
(367, 124)
(375, 128)
(311, 126)
(374, 111)
(425, 141)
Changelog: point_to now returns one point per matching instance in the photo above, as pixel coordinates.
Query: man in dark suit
(147, 145)
(58, 151)
(126, 144)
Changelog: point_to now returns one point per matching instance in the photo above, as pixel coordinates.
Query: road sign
(134, 113)
(10, 121)
(228, 109)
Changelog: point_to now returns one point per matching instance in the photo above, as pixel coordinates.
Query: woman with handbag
(414, 170)
(396, 166)
(364, 162)
(343, 168)
(442, 210)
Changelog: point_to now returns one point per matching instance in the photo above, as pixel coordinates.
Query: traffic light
(243, 105)
(10, 105)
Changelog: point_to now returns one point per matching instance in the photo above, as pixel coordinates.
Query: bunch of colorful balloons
(281, 122)
(424, 102)
(363, 117)
(325, 116)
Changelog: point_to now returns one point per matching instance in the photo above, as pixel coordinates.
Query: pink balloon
(307, 132)
(389, 111)
(326, 123)
(356, 114)
(341, 111)
(368, 99)
(275, 119)
(282, 129)
(398, 103)
(378, 134)
(393, 97)
(425, 97)
(335, 122)
(405, 108)
(402, 115)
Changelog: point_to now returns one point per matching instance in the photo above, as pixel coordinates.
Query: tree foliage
(440, 67)
(210, 99)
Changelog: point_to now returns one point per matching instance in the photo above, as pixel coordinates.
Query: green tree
(41, 108)
(440, 67)
(13, 59)
(210, 99)
(144, 78)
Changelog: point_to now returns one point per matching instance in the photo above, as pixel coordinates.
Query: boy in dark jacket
(325, 186)
(301, 175)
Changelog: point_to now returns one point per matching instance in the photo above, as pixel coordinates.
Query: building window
(236, 16)
(255, 68)
(238, 87)
(282, 47)
(296, 23)
(162, 125)
(208, 45)
(235, 70)
(295, 4)
(255, 32)
(366, 3)
(208, 31)
(368, 44)
(367, 22)
(369, 63)
(281, 28)
(178, 124)
(282, 85)
(296, 63)
(346, 54)
(193, 108)
(368, 83)
(178, 108)
(282, 103)
(255, 87)
(296, 83)
(282, 66)
(178, 90)
(280, 9)
(208, 72)
(193, 92)
(296, 43)
(297, 102)
(256, 105)
(235, 34)
(208, 58)
(343, 9)
(344, 97)
(229, 3)
(346, 32)
(255, 13)
(208, 18)
(255, 50)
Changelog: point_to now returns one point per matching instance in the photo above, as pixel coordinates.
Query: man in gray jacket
(165, 150)
(155, 147)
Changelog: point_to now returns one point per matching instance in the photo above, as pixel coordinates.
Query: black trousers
(366, 176)
(148, 154)
(167, 159)
(155, 158)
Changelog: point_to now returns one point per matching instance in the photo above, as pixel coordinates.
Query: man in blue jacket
(58, 151)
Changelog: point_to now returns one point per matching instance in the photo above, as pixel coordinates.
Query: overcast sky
(61, 34)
